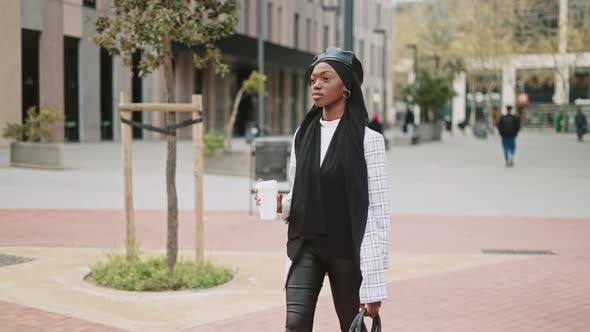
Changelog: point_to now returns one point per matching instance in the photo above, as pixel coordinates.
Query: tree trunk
(172, 239)
(232, 119)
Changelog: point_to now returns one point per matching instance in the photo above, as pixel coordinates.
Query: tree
(255, 83)
(433, 91)
(429, 26)
(151, 27)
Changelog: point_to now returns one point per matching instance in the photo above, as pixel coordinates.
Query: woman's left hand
(372, 309)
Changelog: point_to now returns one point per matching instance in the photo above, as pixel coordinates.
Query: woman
(337, 209)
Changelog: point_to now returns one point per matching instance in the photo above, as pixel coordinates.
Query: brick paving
(539, 293)
(420, 234)
(17, 318)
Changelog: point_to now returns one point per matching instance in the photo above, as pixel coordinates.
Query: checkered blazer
(374, 248)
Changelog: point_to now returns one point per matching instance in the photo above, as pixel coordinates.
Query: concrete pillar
(51, 62)
(563, 18)
(146, 94)
(156, 95)
(10, 65)
(271, 101)
(209, 91)
(299, 106)
(459, 86)
(228, 97)
(561, 88)
(184, 79)
(121, 83)
(89, 81)
(287, 101)
(562, 81)
(508, 85)
(305, 93)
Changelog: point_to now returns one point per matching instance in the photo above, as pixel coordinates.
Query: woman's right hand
(279, 199)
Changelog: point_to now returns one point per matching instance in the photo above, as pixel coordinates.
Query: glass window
(89, 3)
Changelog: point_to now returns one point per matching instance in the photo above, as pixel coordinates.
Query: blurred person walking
(581, 124)
(337, 209)
(375, 124)
(509, 126)
(408, 126)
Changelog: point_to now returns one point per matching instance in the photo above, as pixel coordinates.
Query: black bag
(359, 326)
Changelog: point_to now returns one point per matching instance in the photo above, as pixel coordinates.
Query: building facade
(48, 60)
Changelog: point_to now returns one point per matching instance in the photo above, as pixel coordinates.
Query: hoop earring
(346, 93)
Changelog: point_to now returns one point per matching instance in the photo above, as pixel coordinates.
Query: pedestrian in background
(375, 124)
(495, 119)
(409, 122)
(337, 210)
(581, 124)
(509, 126)
(495, 115)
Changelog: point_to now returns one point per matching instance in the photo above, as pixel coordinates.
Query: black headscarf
(307, 216)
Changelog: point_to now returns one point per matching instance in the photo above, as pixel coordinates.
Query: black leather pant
(304, 285)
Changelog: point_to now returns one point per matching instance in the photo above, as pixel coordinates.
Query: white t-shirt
(327, 132)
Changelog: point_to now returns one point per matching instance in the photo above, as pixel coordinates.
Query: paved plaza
(474, 246)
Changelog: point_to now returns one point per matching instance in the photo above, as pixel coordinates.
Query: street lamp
(383, 33)
(336, 9)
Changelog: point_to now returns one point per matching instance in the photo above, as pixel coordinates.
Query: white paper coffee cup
(267, 192)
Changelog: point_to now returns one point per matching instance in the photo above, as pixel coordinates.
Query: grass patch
(151, 274)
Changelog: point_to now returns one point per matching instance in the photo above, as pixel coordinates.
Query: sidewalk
(460, 176)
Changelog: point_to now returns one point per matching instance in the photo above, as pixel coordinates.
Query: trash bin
(271, 158)
(270, 161)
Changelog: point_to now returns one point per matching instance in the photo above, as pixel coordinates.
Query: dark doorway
(106, 96)
(136, 94)
(29, 70)
(246, 116)
(580, 84)
(294, 98)
(71, 89)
